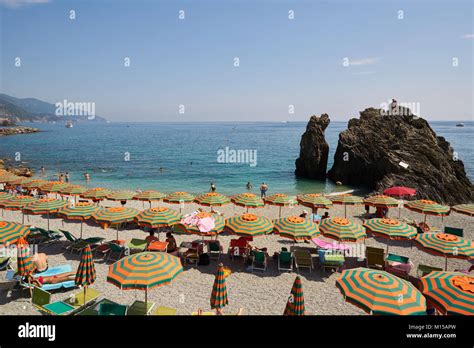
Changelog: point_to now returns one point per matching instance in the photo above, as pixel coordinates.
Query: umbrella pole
(279, 215)
(48, 222)
(445, 263)
(85, 288)
(82, 221)
(146, 300)
(345, 211)
(117, 232)
(23, 218)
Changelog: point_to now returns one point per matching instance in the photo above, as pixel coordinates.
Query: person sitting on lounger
(171, 242)
(151, 238)
(41, 262)
(59, 278)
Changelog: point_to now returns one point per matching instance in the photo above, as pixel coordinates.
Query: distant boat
(284, 121)
(460, 125)
(69, 124)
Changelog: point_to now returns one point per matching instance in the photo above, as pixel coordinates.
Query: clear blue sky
(282, 61)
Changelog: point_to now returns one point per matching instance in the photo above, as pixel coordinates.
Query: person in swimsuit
(59, 278)
(41, 262)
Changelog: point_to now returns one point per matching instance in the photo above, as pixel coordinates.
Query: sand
(257, 293)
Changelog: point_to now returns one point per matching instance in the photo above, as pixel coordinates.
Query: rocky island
(378, 151)
(17, 130)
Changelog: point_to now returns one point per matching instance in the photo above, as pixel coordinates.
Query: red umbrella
(399, 191)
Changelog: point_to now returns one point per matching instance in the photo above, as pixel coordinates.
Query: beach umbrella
(149, 196)
(53, 186)
(390, 229)
(427, 207)
(342, 229)
(96, 194)
(296, 228)
(466, 209)
(85, 275)
(314, 201)
(6, 178)
(180, 198)
(249, 225)
(121, 196)
(10, 232)
(346, 200)
(5, 196)
(399, 191)
(219, 290)
(73, 190)
(24, 263)
(447, 245)
(44, 206)
(248, 200)
(295, 304)
(212, 199)
(17, 203)
(79, 211)
(114, 216)
(219, 224)
(144, 271)
(381, 201)
(450, 292)
(380, 293)
(280, 200)
(34, 184)
(158, 217)
(21, 181)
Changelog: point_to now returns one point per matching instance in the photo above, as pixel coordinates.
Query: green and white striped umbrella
(149, 196)
(96, 194)
(280, 200)
(158, 217)
(34, 184)
(179, 198)
(249, 225)
(381, 201)
(296, 228)
(17, 203)
(466, 209)
(345, 200)
(53, 186)
(342, 229)
(427, 207)
(391, 229)
(73, 190)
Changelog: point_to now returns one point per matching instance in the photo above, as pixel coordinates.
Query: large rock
(314, 149)
(369, 153)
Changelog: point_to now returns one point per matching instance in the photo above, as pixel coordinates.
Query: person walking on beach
(249, 186)
(61, 177)
(263, 190)
(42, 171)
(213, 187)
(67, 177)
(87, 176)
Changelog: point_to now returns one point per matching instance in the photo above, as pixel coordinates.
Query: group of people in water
(249, 186)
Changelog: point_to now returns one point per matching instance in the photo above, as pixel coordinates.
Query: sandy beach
(257, 293)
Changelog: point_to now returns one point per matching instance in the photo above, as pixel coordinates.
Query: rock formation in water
(379, 151)
(314, 149)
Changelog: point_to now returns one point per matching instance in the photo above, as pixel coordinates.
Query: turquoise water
(121, 155)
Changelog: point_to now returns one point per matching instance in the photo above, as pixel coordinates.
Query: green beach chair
(285, 261)
(303, 259)
(375, 258)
(78, 300)
(259, 262)
(330, 259)
(454, 231)
(41, 299)
(423, 270)
(112, 309)
(138, 308)
(5, 263)
(162, 310)
(137, 244)
(214, 250)
(94, 309)
(116, 249)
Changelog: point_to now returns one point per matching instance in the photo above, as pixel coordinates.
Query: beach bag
(203, 260)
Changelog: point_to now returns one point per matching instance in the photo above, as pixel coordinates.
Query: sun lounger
(94, 309)
(117, 250)
(157, 246)
(161, 310)
(78, 301)
(41, 299)
(51, 272)
(303, 259)
(454, 231)
(259, 261)
(42, 236)
(138, 308)
(4, 263)
(214, 249)
(375, 257)
(112, 309)
(285, 261)
(423, 270)
(330, 259)
(137, 244)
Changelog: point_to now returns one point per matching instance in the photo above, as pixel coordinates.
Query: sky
(336, 57)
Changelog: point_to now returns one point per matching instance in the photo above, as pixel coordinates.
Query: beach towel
(205, 224)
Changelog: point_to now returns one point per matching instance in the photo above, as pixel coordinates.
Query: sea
(187, 157)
